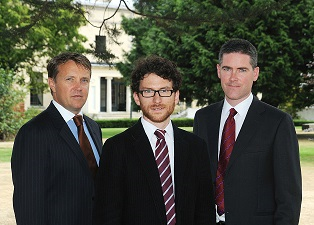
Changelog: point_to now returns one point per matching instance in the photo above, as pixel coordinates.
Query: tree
(33, 30)
(305, 94)
(10, 98)
(191, 32)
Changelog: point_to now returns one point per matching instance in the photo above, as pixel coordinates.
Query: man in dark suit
(262, 180)
(131, 187)
(53, 182)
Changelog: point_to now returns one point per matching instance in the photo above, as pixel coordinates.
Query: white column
(109, 99)
(128, 99)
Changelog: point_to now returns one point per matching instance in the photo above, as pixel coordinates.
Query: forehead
(235, 59)
(154, 81)
(72, 68)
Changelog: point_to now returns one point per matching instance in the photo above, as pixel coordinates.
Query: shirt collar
(66, 114)
(241, 108)
(150, 129)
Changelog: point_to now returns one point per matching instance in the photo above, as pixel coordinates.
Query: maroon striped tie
(163, 163)
(226, 147)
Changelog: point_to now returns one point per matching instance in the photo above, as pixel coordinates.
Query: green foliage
(34, 30)
(191, 33)
(125, 123)
(116, 123)
(10, 100)
(301, 122)
(30, 113)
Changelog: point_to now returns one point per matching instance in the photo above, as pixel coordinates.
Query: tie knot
(78, 120)
(160, 134)
(233, 112)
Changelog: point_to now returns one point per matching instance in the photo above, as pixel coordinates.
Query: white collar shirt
(169, 136)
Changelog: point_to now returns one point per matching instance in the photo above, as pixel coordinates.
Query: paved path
(6, 190)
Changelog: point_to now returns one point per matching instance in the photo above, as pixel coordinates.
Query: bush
(180, 122)
(125, 123)
(11, 101)
(301, 122)
(30, 113)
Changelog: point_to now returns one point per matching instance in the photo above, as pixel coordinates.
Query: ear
(255, 73)
(136, 98)
(52, 84)
(177, 97)
(218, 70)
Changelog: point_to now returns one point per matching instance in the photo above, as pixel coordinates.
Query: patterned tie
(163, 163)
(85, 145)
(227, 142)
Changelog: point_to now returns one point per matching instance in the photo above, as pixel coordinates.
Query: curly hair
(162, 67)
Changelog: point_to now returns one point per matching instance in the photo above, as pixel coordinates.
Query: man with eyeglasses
(154, 173)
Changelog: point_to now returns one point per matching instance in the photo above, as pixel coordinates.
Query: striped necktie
(163, 163)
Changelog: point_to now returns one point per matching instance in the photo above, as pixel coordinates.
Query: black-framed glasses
(149, 93)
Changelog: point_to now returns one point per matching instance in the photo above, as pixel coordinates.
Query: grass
(5, 154)
(306, 143)
(109, 132)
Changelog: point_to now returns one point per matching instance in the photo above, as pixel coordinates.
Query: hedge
(180, 122)
(122, 123)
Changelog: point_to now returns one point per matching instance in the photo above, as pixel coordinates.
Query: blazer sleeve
(205, 204)
(109, 195)
(29, 172)
(287, 177)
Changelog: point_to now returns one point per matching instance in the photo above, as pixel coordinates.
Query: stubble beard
(160, 116)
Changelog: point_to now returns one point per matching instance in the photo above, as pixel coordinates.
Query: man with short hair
(53, 175)
(253, 147)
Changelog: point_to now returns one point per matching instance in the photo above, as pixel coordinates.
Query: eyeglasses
(148, 93)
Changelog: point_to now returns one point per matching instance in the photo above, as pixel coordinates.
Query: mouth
(233, 85)
(157, 108)
(77, 96)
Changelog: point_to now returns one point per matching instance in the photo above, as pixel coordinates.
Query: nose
(233, 75)
(157, 97)
(78, 85)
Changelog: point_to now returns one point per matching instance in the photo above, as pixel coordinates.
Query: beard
(158, 113)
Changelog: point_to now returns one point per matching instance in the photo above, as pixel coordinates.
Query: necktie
(85, 145)
(163, 164)
(226, 147)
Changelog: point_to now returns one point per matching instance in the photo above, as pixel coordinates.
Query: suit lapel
(94, 135)
(213, 135)
(181, 161)
(248, 130)
(146, 157)
(66, 134)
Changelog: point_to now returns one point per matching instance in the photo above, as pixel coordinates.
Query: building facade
(109, 97)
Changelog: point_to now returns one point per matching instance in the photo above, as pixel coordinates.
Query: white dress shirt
(150, 129)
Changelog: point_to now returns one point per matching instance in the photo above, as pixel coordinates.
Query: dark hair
(239, 46)
(62, 58)
(158, 65)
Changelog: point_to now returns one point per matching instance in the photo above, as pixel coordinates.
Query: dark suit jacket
(128, 189)
(52, 181)
(263, 178)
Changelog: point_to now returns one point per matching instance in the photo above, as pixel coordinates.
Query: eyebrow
(229, 67)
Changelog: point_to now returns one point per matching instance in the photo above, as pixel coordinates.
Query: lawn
(306, 142)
